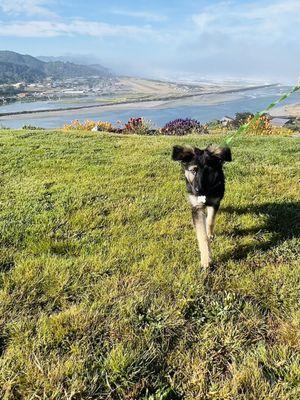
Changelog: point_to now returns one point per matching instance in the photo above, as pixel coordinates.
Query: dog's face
(202, 168)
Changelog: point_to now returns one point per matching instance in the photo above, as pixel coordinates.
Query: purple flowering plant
(183, 127)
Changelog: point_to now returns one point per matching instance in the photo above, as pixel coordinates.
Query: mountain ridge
(16, 67)
(87, 60)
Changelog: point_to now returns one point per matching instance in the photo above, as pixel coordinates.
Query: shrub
(88, 125)
(261, 126)
(104, 126)
(138, 126)
(242, 118)
(214, 124)
(32, 128)
(183, 127)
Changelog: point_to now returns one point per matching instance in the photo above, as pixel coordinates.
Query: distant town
(52, 89)
(27, 78)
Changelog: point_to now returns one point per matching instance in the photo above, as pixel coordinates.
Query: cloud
(225, 37)
(204, 20)
(256, 19)
(44, 29)
(256, 38)
(141, 15)
(28, 7)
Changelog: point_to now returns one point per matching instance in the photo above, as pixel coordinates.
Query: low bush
(242, 118)
(261, 126)
(214, 124)
(32, 128)
(88, 125)
(183, 127)
(180, 127)
(138, 126)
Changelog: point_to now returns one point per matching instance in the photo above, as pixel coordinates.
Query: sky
(191, 39)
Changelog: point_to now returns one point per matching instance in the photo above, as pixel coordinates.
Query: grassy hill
(101, 293)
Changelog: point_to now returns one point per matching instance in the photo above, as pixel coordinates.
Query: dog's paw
(211, 238)
(206, 264)
(212, 267)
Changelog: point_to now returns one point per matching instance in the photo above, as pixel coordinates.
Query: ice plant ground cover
(101, 295)
(183, 126)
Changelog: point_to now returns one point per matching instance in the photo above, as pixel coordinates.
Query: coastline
(205, 98)
(287, 111)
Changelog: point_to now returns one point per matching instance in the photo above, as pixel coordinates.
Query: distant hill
(20, 59)
(13, 73)
(16, 67)
(79, 60)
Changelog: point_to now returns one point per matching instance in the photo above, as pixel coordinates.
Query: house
(18, 85)
(226, 121)
(280, 122)
(22, 95)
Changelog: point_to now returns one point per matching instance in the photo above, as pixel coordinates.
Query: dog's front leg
(210, 220)
(199, 219)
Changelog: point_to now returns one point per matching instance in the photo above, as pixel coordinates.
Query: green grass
(101, 293)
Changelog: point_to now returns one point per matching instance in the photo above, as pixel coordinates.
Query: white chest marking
(197, 201)
(201, 199)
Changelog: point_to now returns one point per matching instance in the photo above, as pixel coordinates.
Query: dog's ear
(183, 154)
(222, 153)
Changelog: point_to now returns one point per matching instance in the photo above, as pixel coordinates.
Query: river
(203, 108)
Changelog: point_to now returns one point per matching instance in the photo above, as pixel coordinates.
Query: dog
(205, 182)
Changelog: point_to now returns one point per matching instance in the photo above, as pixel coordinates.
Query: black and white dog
(205, 183)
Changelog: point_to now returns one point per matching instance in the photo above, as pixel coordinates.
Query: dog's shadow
(281, 222)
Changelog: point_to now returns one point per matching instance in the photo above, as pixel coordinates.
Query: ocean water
(252, 101)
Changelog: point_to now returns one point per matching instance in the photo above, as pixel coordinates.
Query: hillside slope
(101, 292)
(16, 67)
(13, 73)
(20, 59)
(79, 60)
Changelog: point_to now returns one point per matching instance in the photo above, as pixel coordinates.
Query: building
(22, 95)
(280, 122)
(227, 121)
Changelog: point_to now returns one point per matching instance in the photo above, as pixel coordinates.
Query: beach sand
(292, 110)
